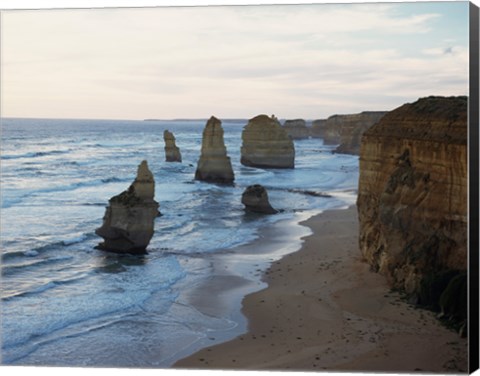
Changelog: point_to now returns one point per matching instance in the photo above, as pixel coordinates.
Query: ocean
(64, 303)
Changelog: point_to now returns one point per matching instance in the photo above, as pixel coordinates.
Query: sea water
(66, 303)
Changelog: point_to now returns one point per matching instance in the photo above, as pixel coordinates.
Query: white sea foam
(74, 239)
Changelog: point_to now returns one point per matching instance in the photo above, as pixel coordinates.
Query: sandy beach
(324, 309)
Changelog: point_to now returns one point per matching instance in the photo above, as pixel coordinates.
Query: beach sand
(324, 309)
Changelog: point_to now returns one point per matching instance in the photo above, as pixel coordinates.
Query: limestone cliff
(172, 152)
(352, 129)
(266, 144)
(345, 130)
(214, 165)
(129, 218)
(317, 129)
(412, 199)
(296, 129)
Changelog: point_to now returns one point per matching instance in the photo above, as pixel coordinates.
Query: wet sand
(324, 309)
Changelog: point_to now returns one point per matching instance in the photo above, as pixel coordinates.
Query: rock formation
(352, 128)
(129, 219)
(345, 130)
(266, 144)
(317, 129)
(296, 129)
(255, 199)
(412, 200)
(214, 165)
(172, 152)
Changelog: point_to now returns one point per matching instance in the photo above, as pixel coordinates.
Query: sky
(295, 61)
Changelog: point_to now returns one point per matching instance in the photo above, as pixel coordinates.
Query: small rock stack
(255, 199)
(172, 152)
(129, 219)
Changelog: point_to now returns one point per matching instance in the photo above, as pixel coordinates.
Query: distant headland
(200, 119)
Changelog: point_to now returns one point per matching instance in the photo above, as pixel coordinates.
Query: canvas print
(256, 187)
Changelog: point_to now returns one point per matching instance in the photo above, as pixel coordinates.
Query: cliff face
(345, 130)
(266, 144)
(296, 129)
(412, 199)
(352, 128)
(318, 128)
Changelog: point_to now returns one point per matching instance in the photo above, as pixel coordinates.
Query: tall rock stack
(412, 200)
(266, 144)
(214, 165)
(129, 219)
(172, 152)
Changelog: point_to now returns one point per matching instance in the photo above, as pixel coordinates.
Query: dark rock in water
(172, 152)
(255, 199)
(129, 219)
(214, 165)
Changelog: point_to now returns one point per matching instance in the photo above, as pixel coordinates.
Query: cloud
(239, 59)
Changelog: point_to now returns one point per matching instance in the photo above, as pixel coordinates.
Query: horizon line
(182, 119)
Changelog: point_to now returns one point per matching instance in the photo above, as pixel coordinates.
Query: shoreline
(323, 309)
(235, 274)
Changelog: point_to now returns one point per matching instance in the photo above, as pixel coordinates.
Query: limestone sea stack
(172, 152)
(128, 223)
(296, 129)
(255, 199)
(214, 165)
(412, 200)
(266, 144)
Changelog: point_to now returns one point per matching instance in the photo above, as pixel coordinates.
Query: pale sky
(301, 61)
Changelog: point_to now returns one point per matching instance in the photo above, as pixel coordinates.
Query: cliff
(345, 130)
(296, 129)
(317, 129)
(266, 144)
(352, 128)
(412, 200)
(214, 165)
